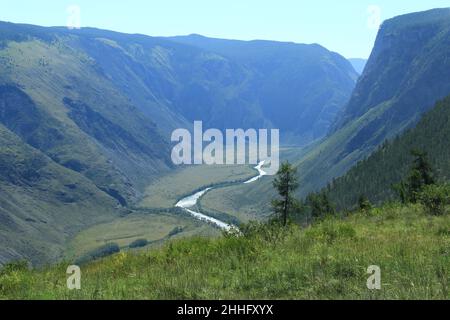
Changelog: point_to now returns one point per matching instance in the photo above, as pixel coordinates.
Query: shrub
(320, 205)
(14, 266)
(271, 232)
(104, 251)
(435, 198)
(175, 231)
(139, 243)
(12, 277)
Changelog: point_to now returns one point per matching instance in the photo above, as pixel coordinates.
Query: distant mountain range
(86, 117)
(296, 88)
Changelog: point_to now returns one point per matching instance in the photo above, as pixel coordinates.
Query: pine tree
(286, 183)
(315, 205)
(421, 175)
(402, 190)
(364, 203)
(320, 205)
(328, 207)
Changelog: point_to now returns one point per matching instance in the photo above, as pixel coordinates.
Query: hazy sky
(345, 26)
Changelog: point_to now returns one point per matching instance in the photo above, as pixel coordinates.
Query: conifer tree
(286, 183)
(421, 175)
(364, 203)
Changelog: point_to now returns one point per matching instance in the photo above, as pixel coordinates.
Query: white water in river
(191, 201)
(261, 172)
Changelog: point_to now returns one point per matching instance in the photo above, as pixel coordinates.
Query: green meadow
(155, 228)
(167, 190)
(327, 260)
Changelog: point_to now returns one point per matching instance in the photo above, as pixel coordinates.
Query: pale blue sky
(341, 26)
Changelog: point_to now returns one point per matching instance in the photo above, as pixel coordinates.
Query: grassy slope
(43, 203)
(51, 73)
(326, 261)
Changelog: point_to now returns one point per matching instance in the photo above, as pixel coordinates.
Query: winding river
(191, 201)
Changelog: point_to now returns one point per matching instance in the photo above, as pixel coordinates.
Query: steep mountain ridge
(300, 87)
(411, 49)
(45, 77)
(43, 204)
